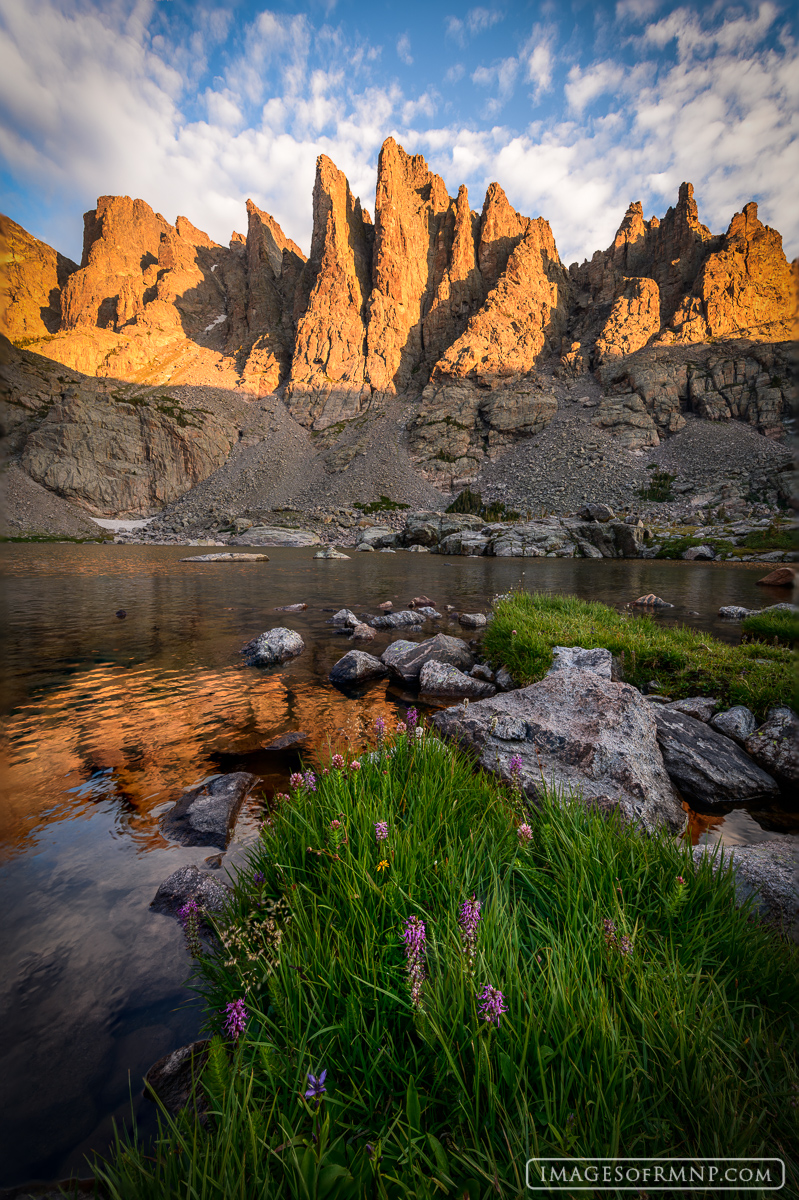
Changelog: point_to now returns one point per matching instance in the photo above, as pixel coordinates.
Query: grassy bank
(673, 1031)
(682, 661)
(768, 626)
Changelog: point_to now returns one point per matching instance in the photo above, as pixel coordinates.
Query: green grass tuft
(784, 626)
(683, 661)
(686, 1046)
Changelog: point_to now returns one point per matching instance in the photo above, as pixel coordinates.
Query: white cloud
(455, 30)
(584, 86)
(404, 50)
(480, 19)
(96, 101)
(455, 73)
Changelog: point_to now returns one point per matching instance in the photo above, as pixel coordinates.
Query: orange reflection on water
(139, 737)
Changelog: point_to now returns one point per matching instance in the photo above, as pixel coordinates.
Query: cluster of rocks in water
(582, 729)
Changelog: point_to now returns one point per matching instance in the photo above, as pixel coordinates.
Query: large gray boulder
(378, 536)
(405, 659)
(275, 646)
(189, 883)
(266, 535)
(737, 723)
(444, 680)
(205, 815)
(775, 745)
(767, 871)
(580, 733)
(357, 667)
(706, 767)
(575, 658)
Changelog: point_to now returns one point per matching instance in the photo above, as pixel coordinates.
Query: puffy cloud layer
(116, 98)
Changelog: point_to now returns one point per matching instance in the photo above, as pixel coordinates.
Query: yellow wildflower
(382, 865)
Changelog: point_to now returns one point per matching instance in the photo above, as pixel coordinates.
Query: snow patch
(218, 321)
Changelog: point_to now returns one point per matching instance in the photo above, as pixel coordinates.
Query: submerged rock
(579, 732)
(189, 883)
(357, 667)
(274, 646)
(362, 633)
(767, 871)
(735, 612)
(226, 557)
(286, 741)
(706, 767)
(344, 617)
(652, 601)
(291, 608)
(205, 815)
(442, 679)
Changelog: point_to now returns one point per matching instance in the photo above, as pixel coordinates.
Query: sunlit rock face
(463, 314)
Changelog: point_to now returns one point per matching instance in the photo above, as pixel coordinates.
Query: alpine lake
(107, 719)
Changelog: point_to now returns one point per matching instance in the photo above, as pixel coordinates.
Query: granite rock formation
(464, 315)
(32, 281)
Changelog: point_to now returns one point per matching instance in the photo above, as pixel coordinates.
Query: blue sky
(575, 108)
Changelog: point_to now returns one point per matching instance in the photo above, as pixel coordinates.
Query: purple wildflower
(515, 765)
(380, 730)
(625, 945)
(401, 728)
(492, 1004)
(309, 779)
(189, 917)
(338, 762)
(280, 797)
(680, 880)
(355, 765)
(259, 877)
(235, 1019)
(414, 936)
(469, 920)
(381, 831)
(610, 931)
(524, 833)
(411, 718)
(316, 1086)
(295, 780)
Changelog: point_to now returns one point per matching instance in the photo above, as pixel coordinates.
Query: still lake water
(106, 721)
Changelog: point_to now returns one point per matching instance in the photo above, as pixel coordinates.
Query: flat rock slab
(394, 620)
(206, 558)
(275, 646)
(707, 767)
(174, 1078)
(768, 871)
(286, 740)
(472, 620)
(357, 667)
(585, 734)
(575, 658)
(405, 659)
(266, 535)
(775, 745)
(189, 883)
(445, 681)
(701, 708)
(330, 554)
(205, 815)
